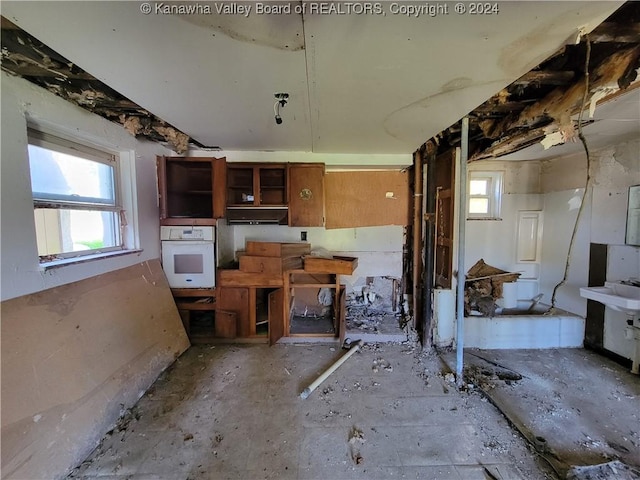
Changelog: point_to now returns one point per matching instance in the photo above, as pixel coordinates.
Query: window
(77, 206)
(484, 193)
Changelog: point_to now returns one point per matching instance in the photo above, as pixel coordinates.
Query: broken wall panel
(74, 357)
(366, 198)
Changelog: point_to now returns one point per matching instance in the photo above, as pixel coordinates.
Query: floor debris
(367, 425)
(560, 400)
(615, 470)
(356, 438)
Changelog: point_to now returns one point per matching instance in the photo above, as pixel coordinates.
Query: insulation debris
(605, 471)
(27, 57)
(178, 140)
(356, 437)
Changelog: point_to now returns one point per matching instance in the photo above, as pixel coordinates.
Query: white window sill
(495, 219)
(63, 262)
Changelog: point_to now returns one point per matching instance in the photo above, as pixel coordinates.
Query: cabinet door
(191, 190)
(272, 182)
(240, 185)
(236, 300)
(219, 187)
(276, 315)
(306, 195)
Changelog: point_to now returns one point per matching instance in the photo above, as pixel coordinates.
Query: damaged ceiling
(25, 56)
(370, 83)
(542, 108)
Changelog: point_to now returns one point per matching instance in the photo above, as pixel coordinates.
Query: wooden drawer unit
(277, 249)
(339, 265)
(269, 265)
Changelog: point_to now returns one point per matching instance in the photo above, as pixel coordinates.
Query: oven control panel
(187, 233)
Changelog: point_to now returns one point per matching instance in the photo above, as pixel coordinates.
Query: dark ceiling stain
(25, 56)
(279, 31)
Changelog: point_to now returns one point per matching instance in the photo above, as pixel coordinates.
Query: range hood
(257, 215)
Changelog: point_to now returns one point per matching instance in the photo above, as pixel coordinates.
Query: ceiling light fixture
(281, 101)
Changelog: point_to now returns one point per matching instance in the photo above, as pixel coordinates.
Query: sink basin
(623, 298)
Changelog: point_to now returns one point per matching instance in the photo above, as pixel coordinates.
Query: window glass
(479, 205)
(484, 194)
(56, 175)
(75, 196)
(66, 231)
(478, 187)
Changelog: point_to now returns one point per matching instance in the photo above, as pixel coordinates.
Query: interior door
(276, 315)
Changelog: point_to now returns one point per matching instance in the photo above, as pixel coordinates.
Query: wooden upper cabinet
(257, 185)
(306, 195)
(192, 190)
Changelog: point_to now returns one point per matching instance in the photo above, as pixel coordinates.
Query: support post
(429, 244)
(462, 219)
(418, 323)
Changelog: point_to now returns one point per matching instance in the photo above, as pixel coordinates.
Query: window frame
(493, 195)
(80, 149)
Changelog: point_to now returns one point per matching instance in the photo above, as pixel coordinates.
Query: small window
(484, 193)
(76, 202)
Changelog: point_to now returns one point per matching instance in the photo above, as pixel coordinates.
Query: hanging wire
(588, 180)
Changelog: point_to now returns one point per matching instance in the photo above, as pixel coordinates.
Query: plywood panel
(73, 356)
(366, 199)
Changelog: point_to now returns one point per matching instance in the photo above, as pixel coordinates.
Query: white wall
(494, 241)
(560, 212)
(22, 101)
(555, 186)
(613, 171)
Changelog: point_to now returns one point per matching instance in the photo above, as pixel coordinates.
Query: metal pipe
(417, 241)
(429, 245)
(353, 349)
(462, 219)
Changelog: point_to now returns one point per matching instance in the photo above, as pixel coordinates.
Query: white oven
(188, 256)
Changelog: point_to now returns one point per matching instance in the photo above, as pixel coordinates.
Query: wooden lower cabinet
(203, 319)
(258, 311)
(236, 300)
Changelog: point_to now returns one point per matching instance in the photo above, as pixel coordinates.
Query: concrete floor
(583, 407)
(234, 411)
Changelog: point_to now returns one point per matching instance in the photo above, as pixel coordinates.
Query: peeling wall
(558, 176)
(613, 171)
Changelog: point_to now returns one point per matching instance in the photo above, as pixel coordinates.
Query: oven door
(189, 264)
